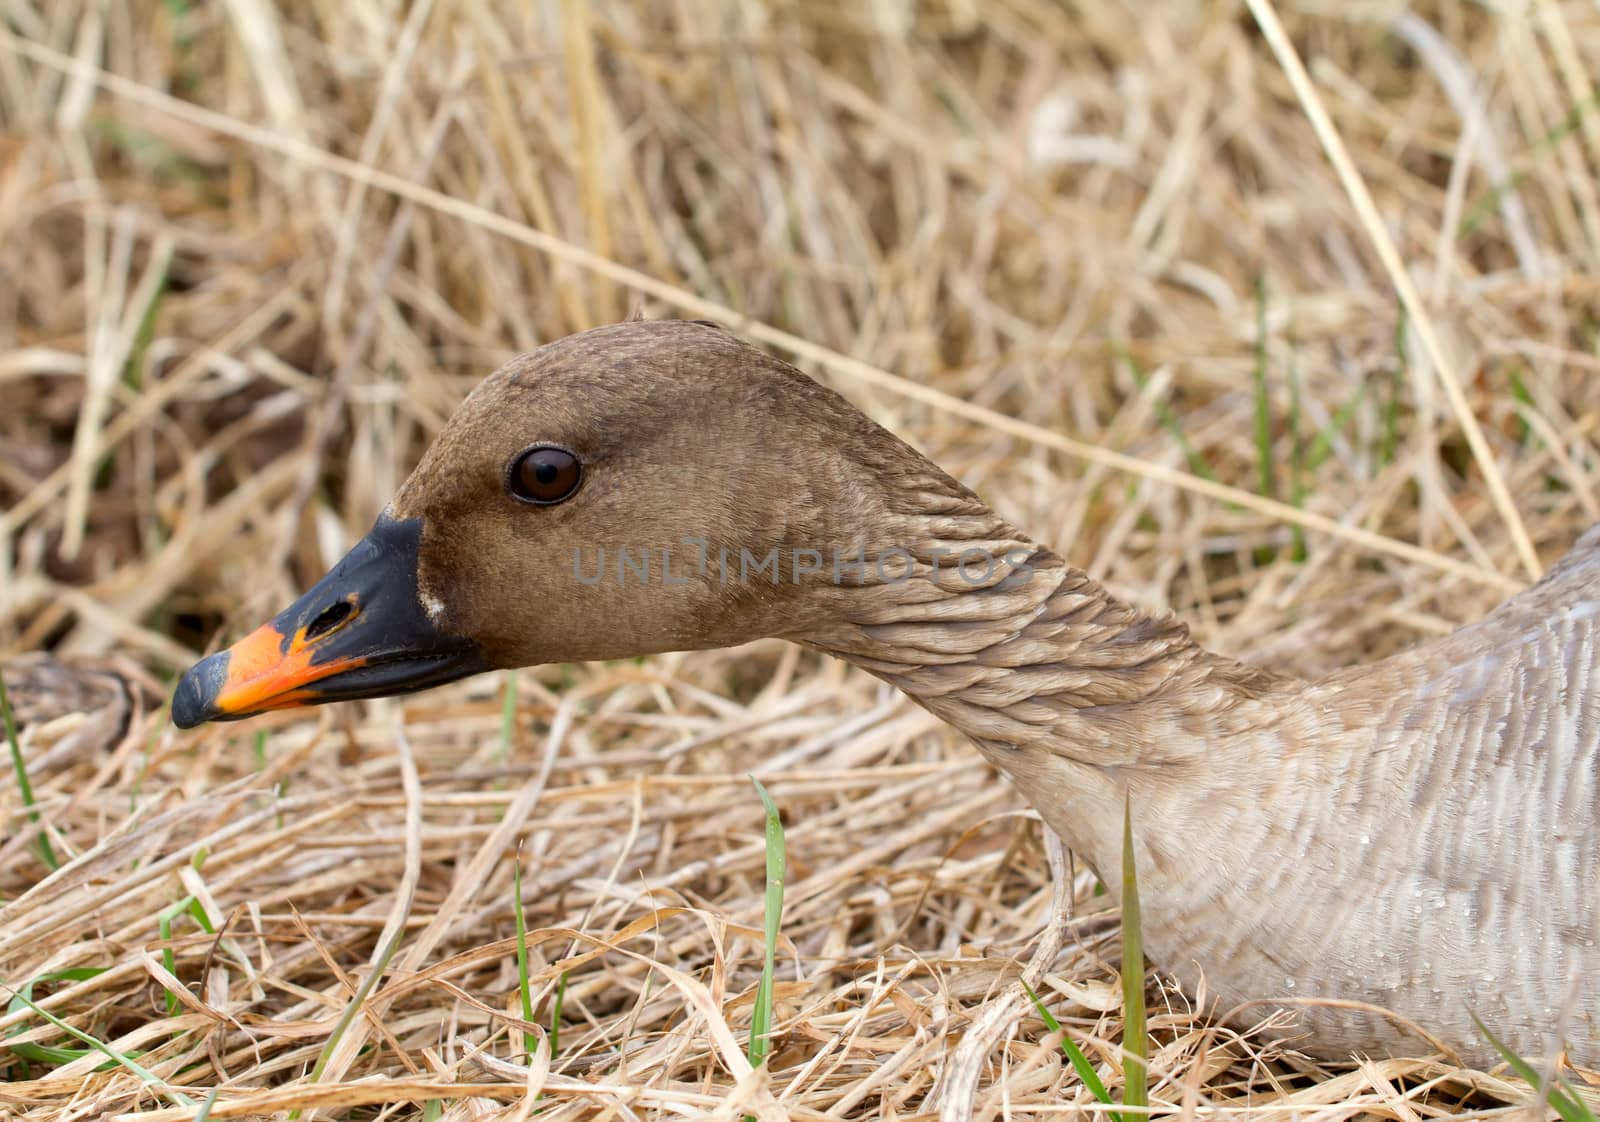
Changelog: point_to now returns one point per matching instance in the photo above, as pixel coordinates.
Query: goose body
(1420, 835)
(69, 709)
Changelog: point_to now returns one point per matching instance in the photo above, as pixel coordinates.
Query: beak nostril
(329, 619)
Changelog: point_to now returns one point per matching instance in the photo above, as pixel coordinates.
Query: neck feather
(1021, 651)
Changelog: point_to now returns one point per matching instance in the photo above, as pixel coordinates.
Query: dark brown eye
(544, 475)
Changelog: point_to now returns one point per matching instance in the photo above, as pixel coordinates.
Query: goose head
(633, 489)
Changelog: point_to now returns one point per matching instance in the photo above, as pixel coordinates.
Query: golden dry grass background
(251, 256)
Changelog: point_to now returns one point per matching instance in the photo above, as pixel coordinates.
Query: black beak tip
(193, 702)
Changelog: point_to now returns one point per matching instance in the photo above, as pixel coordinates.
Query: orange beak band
(360, 631)
(267, 670)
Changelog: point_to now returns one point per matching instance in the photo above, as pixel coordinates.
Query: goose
(1417, 837)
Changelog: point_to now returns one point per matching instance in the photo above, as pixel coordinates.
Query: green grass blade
(358, 1000)
(45, 1053)
(761, 1016)
(1297, 458)
(191, 906)
(144, 1073)
(1490, 199)
(169, 959)
(1135, 1034)
(508, 717)
(530, 1043)
(1561, 1098)
(132, 369)
(1322, 444)
(1080, 1063)
(1263, 433)
(1521, 395)
(46, 852)
(1197, 463)
(1389, 442)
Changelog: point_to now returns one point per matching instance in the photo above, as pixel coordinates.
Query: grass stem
(761, 1017)
(46, 852)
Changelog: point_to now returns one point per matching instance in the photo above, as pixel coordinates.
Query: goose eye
(543, 475)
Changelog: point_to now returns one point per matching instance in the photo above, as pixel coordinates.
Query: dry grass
(249, 259)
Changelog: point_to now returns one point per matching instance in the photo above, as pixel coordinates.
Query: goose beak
(361, 631)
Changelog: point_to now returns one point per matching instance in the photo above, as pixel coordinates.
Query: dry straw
(1281, 316)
